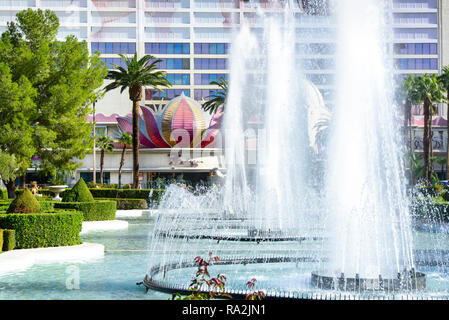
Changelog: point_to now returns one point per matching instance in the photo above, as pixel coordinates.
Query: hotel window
(167, 94)
(207, 78)
(210, 64)
(203, 94)
(167, 48)
(416, 48)
(114, 47)
(111, 61)
(417, 64)
(178, 78)
(174, 64)
(211, 48)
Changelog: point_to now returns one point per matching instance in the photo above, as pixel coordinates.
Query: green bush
(92, 211)
(127, 193)
(79, 193)
(1, 241)
(9, 239)
(24, 203)
(44, 229)
(129, 204)
(3, 194)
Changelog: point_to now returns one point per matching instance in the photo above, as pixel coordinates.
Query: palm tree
(217, 99)
(126, 140)
(428, 91)
(403, 97)
(444, 80)
(137, 74)
(105, 144)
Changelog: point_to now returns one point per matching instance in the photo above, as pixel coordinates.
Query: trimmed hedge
(3, 194)
(44, 229)
(127, 193)
(130, 204)
(9, 239)
(79, 193)
(24, 203)
(92, 211)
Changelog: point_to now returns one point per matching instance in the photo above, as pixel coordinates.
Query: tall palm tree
(105, 145)
(138, 73)
(444, 80)
(403, 97)
(126, 140)
(217, 99)
(427, 90)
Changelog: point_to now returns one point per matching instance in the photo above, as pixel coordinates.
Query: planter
(57, 190)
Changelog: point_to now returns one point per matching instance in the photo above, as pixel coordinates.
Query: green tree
(126, 140)
(138, 73)
(443, 78)
(59, 80)
(106, 145)
(404, 98)
(427, 90)
(218, 98)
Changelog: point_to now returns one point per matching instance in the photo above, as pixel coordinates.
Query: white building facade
(193, 37)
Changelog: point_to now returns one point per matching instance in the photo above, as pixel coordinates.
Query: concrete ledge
(103, 225)
(21, 259)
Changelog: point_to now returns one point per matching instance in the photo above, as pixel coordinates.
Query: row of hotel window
(204, 94)
(160, 48)
(168, 94)
(223, 48)
(417, 64)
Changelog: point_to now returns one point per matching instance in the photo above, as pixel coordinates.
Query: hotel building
(192, 37)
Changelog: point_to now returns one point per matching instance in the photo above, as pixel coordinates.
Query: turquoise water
(112, 277)
(125, 262)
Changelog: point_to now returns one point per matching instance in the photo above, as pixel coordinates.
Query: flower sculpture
(179, 124)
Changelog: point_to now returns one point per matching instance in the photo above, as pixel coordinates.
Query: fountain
(306, 226)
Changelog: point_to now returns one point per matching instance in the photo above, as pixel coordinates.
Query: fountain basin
(407, 281)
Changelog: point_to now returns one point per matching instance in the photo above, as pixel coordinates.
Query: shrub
(24, 203)
(79, 193)
(47, 206)
(92, 211)
(129, 204)
(3, 194)
(128, 194)
(44, 229)
(1, 240)
(9, 239)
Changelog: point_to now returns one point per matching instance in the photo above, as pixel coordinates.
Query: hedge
(127, 193)
(3, 194)
(129, 204)
(38, 230)
(9, 239)
(92, 211)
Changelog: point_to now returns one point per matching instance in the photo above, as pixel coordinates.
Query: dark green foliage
(92, 211)
(79, 193)
(25, 203)
(127, 194)
(129, 204)
(9, 240)
(44, 229)
(3, 194)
